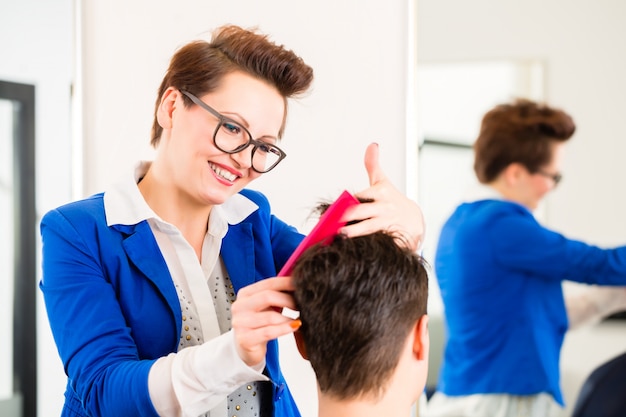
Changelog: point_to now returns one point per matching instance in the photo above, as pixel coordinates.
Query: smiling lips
(222, 173)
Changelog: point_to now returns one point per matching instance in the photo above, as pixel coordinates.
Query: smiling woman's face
(197, 167)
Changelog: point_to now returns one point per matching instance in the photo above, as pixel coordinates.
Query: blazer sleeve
(520, 242)
(94, 341)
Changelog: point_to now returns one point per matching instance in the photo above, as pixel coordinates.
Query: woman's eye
(232, 128)
(264, 147)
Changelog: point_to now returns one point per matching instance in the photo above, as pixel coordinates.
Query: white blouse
(207, 368)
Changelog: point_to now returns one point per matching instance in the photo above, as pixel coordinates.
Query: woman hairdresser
(161, 292)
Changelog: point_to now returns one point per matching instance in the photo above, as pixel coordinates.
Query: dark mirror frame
(25, 244)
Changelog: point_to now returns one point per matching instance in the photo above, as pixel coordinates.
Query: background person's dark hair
(358, 298)
(521, 132)
(200, 66)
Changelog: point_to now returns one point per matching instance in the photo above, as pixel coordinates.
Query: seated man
(362, 304)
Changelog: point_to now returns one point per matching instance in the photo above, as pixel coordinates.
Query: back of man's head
(359, 298)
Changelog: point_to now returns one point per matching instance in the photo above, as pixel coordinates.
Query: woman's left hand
(390, 210)
(257, 318)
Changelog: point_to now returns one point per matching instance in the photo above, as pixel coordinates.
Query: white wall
(357, 49)
(582, 46)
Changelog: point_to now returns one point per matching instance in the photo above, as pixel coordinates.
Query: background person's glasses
(231, 137)
(554, 177)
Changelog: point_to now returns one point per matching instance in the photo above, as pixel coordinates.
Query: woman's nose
(243, 158)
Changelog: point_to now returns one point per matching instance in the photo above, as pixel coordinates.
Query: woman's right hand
(389, 209)
(257, 317)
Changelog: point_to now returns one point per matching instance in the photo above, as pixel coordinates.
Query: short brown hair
(358, 298)
(521, 132)
(200, 66)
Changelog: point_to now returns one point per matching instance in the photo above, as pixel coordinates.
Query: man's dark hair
(358, 300)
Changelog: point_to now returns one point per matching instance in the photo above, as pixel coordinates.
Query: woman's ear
(514, 173)
(300, 344)
(166, 107)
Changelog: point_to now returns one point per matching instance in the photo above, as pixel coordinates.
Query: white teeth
(223, 173)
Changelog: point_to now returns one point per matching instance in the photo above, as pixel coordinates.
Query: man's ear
(166, 107)
(421, 338)
(300, 344)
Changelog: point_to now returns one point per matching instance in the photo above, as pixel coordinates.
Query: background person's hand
(257, 318)
(587, 305)
(391, 210)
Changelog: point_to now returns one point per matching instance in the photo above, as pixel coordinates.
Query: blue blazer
(500, 274)
(113, 308)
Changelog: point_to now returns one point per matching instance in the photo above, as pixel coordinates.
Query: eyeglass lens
(231, 137)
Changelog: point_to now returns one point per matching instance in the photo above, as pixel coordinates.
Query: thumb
(374, 171)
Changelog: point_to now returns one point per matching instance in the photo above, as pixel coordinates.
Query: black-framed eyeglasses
(554, 177)
(231, 137)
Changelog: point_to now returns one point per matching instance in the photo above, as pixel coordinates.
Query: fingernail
(295, 324)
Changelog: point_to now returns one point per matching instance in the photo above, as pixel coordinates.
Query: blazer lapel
(238, 254)
(143, 251)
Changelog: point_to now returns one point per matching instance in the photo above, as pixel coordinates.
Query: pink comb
(326, 228)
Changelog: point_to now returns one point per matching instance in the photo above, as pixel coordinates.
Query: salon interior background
(96, 66)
